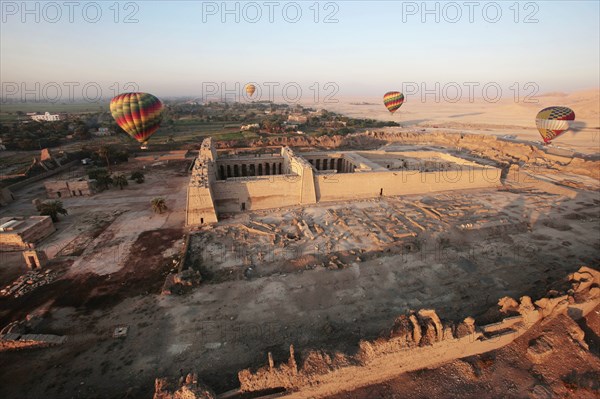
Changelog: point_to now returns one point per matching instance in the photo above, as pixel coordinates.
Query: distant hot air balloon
(393, 100)
(554, 121)
(250, 89)
(139, 114)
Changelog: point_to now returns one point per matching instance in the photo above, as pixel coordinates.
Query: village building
(102, 132)
(19, 233)
(298, 118)
(46, 117)
(69, 188)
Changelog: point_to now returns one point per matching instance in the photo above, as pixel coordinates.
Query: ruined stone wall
(57, 189)
(200, 208)
(263, 192)
(300, 185)
(237, 194)
(494, 148)
(344, 186)
(80, 187)
(12, 242)
(40, 230)
(173, 155)
(68, 188)
(186, 388)
(304, 170)
(419, 340)
(486, 146)
(14, 341)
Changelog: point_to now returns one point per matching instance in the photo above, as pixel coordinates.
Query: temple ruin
(237, 183)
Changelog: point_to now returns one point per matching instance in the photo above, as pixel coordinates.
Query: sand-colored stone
(69, 188)
(24, 233)
(320, 374)
(245, 183)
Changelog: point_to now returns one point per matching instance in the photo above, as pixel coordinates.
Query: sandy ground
(231, 322)
(113, 254)
(505, 117)
(119, 216)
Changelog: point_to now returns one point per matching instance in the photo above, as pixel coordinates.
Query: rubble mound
(186, 388)
(28, 282)
(421, 339)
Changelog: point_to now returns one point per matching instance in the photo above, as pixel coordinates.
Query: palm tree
(138, 176)
(120, 180)
(102, 178)
(103, 153)
(159, 205)
(52, 209)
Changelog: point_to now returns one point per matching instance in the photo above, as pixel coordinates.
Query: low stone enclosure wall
(23, 183)
(419, 340)
(14, 341)
(416, 341)
(486, 146)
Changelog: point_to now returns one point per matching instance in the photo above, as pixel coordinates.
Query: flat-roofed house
(20, 233)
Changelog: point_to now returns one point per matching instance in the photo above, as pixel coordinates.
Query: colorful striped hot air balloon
(554, 121)
(250, 89)
(139, 114)
(393, 100)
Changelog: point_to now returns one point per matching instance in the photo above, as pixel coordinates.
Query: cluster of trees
(218, 112)
(104, 179)
(27, 134)
(52, 209)
(33, 135)
(274, 123)
(370, 123)
(104, 155)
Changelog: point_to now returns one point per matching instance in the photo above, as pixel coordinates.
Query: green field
(174, 133)
(8, 112)
(79, 107)
(182, 131)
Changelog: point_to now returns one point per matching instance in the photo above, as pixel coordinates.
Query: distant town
(184, 122)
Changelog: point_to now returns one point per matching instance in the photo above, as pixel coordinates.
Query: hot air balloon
(393, 100)
(554, 121)
(139, 114)
(250, 89)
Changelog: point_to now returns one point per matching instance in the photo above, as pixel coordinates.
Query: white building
(253, 126)
(298, 118)
(48, 117)
(102, 131)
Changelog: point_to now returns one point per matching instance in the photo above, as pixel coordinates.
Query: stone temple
(232, 184)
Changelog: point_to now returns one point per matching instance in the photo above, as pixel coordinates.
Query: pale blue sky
(171, 51)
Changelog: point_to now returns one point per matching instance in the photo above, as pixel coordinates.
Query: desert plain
(328, 277)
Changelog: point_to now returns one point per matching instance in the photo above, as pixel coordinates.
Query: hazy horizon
(183, 49)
